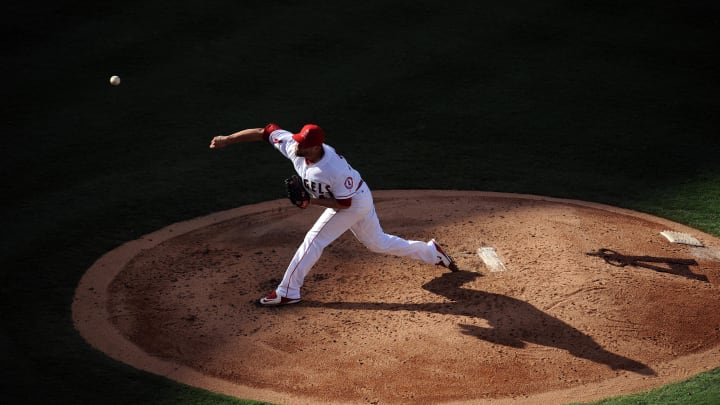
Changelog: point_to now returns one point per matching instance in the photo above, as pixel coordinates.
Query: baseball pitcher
(325, 178)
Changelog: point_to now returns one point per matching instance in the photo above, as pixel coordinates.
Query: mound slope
(594, 302)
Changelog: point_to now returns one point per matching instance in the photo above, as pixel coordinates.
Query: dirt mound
(594, 302)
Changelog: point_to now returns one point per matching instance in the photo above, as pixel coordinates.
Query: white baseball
(115, 80)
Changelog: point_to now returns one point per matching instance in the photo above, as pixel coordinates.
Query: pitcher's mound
(593, 302)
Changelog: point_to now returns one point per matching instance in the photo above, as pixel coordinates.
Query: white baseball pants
(361, 219)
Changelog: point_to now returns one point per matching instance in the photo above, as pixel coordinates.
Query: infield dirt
(594, 303)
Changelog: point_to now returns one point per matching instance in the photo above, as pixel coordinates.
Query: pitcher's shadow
(512, 322)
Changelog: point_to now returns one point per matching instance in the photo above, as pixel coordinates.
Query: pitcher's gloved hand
(296, 191)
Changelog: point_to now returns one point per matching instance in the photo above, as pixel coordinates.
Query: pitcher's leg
(326, 229)
(370, 233)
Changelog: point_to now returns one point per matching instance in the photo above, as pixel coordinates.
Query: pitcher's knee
(374, 248)
(377, 247)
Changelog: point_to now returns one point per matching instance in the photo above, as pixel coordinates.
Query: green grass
(608, 102)
(703, 389)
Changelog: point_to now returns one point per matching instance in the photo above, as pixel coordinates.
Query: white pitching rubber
(490, 258)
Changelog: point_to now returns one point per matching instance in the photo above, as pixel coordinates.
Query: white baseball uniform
(333, 177)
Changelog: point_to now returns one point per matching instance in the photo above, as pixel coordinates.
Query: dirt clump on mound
(594, 302)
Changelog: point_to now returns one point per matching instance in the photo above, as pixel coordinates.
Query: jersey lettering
(319, 189)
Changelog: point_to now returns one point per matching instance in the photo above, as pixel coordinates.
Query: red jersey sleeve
(269, 129)
(345, 202)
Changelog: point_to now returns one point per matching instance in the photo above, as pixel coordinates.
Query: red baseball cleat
(273, 299)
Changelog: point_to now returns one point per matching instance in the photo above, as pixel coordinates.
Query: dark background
(609, 102)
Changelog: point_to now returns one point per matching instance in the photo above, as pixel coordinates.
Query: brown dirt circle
(594, 303)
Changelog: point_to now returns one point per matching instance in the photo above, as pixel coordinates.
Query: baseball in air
(115, 80)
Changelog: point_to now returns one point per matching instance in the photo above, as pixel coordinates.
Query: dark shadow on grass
(678, 267)
(512, 322)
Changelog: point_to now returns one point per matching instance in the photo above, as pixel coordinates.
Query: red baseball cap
(310, 135)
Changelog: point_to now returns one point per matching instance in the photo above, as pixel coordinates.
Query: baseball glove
(296, 191)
